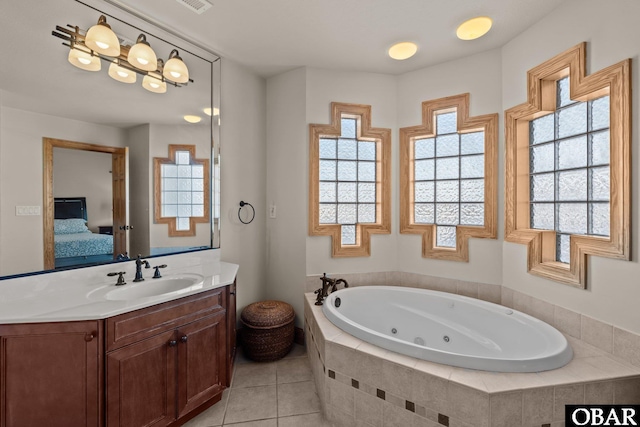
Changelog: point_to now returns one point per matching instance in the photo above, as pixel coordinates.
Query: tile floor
(271, 394)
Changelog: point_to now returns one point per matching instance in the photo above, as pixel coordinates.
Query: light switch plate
(27, 210)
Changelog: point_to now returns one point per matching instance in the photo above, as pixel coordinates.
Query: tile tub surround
(621, 343)
(361, 383)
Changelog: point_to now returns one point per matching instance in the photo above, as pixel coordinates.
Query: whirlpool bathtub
(447, 328)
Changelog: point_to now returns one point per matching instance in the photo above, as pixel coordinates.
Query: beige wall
(610, 29)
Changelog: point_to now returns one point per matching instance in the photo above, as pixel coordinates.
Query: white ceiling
(271, 36)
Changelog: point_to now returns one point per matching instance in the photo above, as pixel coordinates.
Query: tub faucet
(139, 263)
(327, 283)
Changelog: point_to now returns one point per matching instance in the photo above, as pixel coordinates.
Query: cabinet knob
(88, 337)
(183, 338)
(173, 343)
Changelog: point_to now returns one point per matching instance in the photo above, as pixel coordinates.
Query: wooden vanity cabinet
(51, 374)
(164, 362)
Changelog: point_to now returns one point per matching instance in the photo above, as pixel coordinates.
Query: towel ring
(253, 215)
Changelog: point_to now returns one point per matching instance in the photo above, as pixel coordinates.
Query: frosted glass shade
(83, 60)
(154, 85)
(100, 38)
(474, 28)
(403, 50)
(121, 74)
(142, 56)
(175, 69)
(192, 119)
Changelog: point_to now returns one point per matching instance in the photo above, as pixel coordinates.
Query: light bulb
(100, 38)
(121, 74)
(83, 60)
(175, 69)
(153, 84)
(142, 56)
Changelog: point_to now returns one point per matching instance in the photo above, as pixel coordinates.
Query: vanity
(75, 350)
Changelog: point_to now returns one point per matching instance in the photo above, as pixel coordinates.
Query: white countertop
(80, 294)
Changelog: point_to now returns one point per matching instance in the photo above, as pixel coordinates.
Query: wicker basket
(268, 330)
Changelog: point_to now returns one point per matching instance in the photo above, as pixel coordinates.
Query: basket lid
(267, 314)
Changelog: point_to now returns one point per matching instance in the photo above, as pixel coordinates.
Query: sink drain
(446, 338)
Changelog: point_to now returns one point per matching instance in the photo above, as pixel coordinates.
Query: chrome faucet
(327, 283)
(139, 263)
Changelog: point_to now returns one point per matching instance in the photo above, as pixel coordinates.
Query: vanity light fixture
(403, 50)
(127, 62)
(192, 119)
(474, 28)
(101, 39)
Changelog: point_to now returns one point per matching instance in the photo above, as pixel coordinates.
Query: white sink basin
(155, 287)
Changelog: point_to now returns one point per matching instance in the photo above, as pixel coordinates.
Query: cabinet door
(202, 352)
(50, 374)
(141, 383)
(231, 330)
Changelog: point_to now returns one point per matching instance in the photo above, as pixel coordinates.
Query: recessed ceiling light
(193, 119)
(403, 50)
(474, 28)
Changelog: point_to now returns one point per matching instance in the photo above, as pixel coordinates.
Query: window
(567, 167)
(349, 195)
(448, 178)
(181, 190)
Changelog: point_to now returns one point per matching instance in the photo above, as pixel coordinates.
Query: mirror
(43, 97)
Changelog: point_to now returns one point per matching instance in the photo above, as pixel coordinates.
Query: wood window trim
(157, 191)
(489, 124)
(365, 132)
(614, 81)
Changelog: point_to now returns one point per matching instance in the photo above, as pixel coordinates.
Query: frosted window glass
(424, 148)
(447, 168)
(543, 188)
(197, 210)
(347, 149)
(197, 198)
(600, 218)
(169, 171)
(346, 192)
(563, 248)
(366, 150)
(424, 213)
(542, 216)
(170, 184)
(600, 189)
(447, 191)
(446, 123)
(424, 169)
(366, 213)
(169, 210)
(366, 171)
(542, 158)
(348, 128)
(169, 197)
(448, 145)
(346, 171)
(447, 213)
(184, 184)
(184, 171)
(348, 234)
(366, 192)
(472, 214)
(182, 158)
(327, 192)
(197, 171)
(446, 237)
(563, 97)
(600, 148)
(184, 211)
(197, 184)
(572, 218)
(346, 214)
(572, 153)
(424, 192)
(184, 197)
(327, 214)
(572, 120)
(327, 148)
(327, 170)
(472, 143)
(183, 224)
(472, 190)
(599, 113)
(472, 166)
(572, 185)
(542, 129)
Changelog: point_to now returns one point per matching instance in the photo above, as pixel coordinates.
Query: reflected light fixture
(403, 50)
(192, 119)
(175, 69)
(142, 56)
(474, 28)
(154, 84)
(83, 60)
(101, 38)
(208, 111)
(121, 74)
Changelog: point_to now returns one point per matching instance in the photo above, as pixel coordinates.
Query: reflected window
(181, 190)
